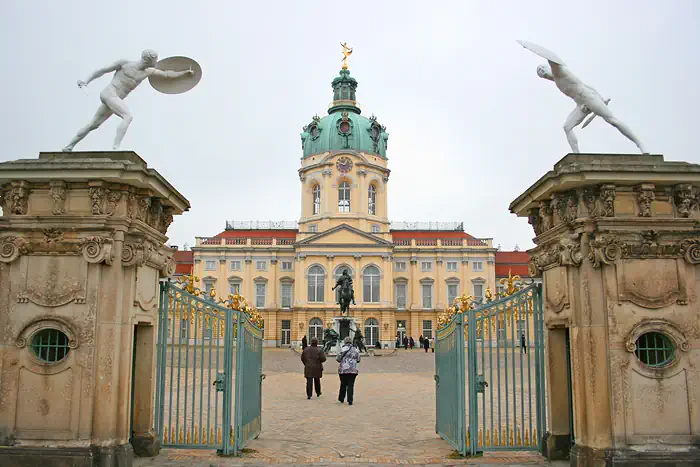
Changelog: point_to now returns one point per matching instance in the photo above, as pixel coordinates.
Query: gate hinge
(219, 382)
(262, 376)
(437, 379)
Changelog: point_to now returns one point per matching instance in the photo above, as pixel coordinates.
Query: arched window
(370, 285)
(344, 197)
(316, 280)
(317, 199)
(372, 202)
(371, 331)
(316, 329)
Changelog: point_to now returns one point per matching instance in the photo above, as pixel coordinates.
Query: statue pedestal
(345, 326)
(618, 247)
(82, 248)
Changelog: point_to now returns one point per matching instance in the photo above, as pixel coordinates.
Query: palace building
(404, 274)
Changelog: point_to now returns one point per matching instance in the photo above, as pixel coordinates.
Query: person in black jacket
(304, 342)
(426, 344)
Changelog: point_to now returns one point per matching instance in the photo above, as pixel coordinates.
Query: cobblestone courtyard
(392, 420)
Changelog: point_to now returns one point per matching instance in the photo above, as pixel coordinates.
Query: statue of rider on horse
(347, 294)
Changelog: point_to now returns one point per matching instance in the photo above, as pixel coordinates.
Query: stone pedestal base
(582, 456)
(94, 456)
(556, 447)
(146, 444)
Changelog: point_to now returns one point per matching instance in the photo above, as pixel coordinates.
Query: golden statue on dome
(347, 51)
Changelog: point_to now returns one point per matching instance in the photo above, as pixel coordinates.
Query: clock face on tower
(344, 164)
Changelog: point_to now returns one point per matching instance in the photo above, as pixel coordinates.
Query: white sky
(471, 126)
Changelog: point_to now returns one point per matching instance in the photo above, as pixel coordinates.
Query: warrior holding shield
(127, 76)
(587, 99)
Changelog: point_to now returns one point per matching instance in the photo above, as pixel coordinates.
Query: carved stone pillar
(82, 249)
(618, 247)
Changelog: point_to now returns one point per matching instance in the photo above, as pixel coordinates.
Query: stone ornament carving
(534, 220)
(686, 200)
(113, 198)
(607, 198)
(96, 250)
(19, 198)
(11, 248)
(97, 199)
(546, 218)
(564, 252)
(608, 248)
(53, 236)
(48, 291)
(566, 206)
(133, 253)
(588, 196)
(58, 195)
(645, 195)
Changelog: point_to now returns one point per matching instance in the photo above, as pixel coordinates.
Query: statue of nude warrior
(587, 99)
(127, 76)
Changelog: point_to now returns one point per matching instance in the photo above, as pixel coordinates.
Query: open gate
(505, 381)
(505, 361)
(450, 420)
(207, 355)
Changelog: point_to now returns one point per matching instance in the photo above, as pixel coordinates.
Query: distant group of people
(313, 357)
(409, 343)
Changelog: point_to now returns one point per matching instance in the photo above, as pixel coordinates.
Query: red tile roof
(183, 268)
(254, 233)
(182, 256)
(513, 261)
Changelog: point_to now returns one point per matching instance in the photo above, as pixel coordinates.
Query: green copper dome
(344, 127)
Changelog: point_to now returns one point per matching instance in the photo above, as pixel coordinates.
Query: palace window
(372, 202)
(313, 228)
(370, 285)
(184, 330)
(371, 331)
(344, 197)
(286, 295)
(427, 329)
(286, 265)
(316, 280)
(235, 265)
(316, 329)
(234, 287)
(261, 265)
(316, 199)
(208, 286)
(452, 266)
(478, 293)
(451, 293)
(400, 266)
(374, 228)
(401, 290)
(477, 266)
(427, 293)
(426, 266)
(50, 345)
(210, 265)
(260, 295)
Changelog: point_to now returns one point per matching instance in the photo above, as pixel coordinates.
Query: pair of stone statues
(128, 75)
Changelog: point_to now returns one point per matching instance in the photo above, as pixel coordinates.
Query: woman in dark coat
(426, 344)
(313, 357)
(304, 343)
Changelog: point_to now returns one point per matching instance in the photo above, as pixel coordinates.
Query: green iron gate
(450, 419)
(505, 361)
(196, 373)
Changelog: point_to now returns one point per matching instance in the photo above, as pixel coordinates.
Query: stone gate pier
(618, 247)
(82, 248)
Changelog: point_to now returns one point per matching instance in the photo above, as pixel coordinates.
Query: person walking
(411, 343)
(313, 357)
(304, 342)
(348, 358)
(432, 344)
(426, 344)
(523, 343)
(420, 340)
(405, 343)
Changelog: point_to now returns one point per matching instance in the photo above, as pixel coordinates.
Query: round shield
(176, 85)
(542, 52)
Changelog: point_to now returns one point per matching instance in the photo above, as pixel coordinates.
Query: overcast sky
(471, 125)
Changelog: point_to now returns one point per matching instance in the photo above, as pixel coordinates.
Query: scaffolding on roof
(423, 225)
(261, 225)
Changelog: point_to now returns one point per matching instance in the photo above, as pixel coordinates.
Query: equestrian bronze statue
(347, 294)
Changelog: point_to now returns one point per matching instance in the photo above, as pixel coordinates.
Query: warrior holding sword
(587, 99)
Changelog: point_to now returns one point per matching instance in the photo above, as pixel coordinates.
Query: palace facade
(404, 274)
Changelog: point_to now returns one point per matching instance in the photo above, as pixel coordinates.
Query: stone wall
(618, 246)
(82, 248)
